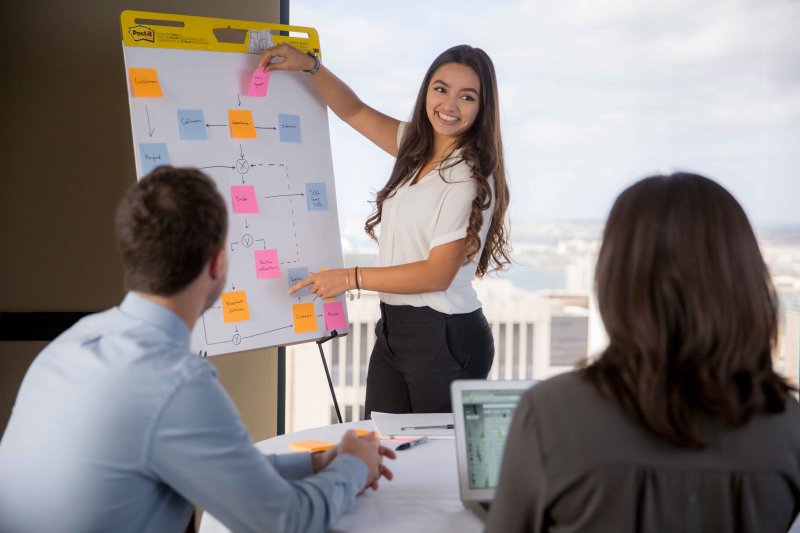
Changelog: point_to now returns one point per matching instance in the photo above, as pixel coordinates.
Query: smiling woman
(442, 216)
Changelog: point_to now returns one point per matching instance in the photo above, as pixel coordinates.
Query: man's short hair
(168, 227)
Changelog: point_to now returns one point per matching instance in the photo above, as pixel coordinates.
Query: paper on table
(392, 424)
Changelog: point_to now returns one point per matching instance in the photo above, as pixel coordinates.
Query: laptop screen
(487, 416)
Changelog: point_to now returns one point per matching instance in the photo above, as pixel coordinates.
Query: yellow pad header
(161, 30)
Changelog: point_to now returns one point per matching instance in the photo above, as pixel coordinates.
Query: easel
(320, 342)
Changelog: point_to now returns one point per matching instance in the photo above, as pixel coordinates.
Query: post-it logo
(142, 33)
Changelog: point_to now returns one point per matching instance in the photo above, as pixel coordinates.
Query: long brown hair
(482, 150)
(689, 308)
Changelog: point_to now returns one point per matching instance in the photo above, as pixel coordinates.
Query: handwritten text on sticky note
(305, 318)
(241, 123)
(259, 83)
(335, 317)
(191, 125)
(296, 275)
(243, 198)
(234, 306)
(267, 265)
(144, 82)
(316, 197)
(152, 155)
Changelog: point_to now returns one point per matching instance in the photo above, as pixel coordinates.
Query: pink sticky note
(244, 199)
(267, 265)
(335, 317)
(259, 83)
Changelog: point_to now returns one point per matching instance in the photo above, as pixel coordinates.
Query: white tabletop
(422, 498)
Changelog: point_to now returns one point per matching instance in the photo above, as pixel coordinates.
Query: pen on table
(407, 445)
(443, 426)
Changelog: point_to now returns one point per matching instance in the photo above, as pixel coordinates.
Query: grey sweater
(575, 461)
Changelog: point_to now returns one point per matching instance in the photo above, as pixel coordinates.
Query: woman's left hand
(324, 284)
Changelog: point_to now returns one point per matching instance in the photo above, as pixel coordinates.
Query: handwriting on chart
(305, 318)
(289, 128)
(259, 83)
(234, 306)
(316, 197)
(152, 155)
(241, 124)
(267, 265)
(296, 275)
(335, 317)
(144, 83)
(192, 125)
(243, 199)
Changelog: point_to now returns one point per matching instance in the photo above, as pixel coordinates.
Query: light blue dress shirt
(118, 427)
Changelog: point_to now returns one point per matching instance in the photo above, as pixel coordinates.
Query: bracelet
(347, 284)
(317, 62)
(358, 283)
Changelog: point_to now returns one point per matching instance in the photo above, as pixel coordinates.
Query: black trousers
(419, 352)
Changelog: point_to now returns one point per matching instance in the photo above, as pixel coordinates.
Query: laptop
(482, 412)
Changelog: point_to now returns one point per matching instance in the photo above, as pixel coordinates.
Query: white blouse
(429, 213)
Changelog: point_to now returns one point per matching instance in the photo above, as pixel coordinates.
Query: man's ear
(216, 265)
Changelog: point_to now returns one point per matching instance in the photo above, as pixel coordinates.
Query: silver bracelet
(317, 62)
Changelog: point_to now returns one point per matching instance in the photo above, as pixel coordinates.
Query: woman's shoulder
(557, 388)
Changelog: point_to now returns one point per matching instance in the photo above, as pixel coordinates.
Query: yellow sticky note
(305, 318)
(234, 306)
(311, 445)
(241, 122)
(144, 82)
(364, 432)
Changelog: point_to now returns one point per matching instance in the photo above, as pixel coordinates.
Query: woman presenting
(442, 217)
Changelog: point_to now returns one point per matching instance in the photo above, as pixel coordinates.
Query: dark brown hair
(168, 226)
(689, 308)
(482, 149)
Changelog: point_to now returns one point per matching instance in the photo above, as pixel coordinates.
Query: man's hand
(320, 461)
(369, 450)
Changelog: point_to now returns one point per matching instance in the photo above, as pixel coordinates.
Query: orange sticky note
(311, 445)
(234, 306)
(305, 318)
(363, 432)
(241, 123)
(144, 82)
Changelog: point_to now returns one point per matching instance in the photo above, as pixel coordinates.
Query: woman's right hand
(285, 57)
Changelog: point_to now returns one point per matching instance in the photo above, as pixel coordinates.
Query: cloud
(594, 93)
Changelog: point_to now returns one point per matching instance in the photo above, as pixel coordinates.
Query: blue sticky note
(191, 125)
(297, 275)
(152, 155)
(316, 197)
(289, 126)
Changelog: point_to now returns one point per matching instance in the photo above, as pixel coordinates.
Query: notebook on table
(482, 412)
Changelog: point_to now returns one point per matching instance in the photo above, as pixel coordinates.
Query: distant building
(788, 353)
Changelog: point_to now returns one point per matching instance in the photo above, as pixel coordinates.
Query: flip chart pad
(266, 157)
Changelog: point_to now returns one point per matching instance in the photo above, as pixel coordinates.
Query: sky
(594, 94)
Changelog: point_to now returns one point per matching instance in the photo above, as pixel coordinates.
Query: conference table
(423, 497)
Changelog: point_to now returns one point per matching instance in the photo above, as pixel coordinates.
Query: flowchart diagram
(263, 139)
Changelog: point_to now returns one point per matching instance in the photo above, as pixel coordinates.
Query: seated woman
(681, 424)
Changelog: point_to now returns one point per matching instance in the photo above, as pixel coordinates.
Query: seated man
(119, 427)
